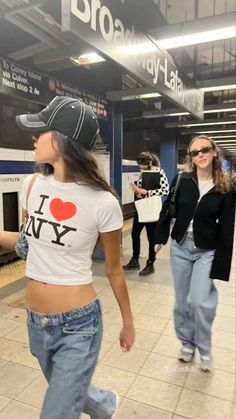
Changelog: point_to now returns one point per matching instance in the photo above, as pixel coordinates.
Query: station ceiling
(31, 35)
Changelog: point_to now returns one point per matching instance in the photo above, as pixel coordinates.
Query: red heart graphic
(62, 210)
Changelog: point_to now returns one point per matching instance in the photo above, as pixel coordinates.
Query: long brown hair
(80, 164)
(220, 177)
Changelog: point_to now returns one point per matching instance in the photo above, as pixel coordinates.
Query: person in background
(201, 247)
(64, 313)
(152, 181)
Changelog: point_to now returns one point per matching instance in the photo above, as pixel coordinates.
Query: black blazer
(213, 222)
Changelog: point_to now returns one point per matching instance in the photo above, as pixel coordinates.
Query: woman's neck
(204, 174)
(59, 173)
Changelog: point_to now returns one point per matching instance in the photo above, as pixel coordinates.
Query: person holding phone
(64, 312)
(201, 247)
(152, 181)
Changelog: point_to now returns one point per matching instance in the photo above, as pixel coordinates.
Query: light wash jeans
(67, 347)
(195, 294)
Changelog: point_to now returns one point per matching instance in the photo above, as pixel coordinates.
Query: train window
(10, 135)
(10, 211)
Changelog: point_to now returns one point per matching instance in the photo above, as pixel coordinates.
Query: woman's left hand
(127, 338)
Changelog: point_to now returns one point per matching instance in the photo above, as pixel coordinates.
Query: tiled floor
(151, 382)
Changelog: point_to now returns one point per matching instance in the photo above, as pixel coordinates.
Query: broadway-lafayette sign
(19, 81)
(102, 24)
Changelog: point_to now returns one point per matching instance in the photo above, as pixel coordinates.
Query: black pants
(136, 231)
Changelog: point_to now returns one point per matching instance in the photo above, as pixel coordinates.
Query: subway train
(14, 166)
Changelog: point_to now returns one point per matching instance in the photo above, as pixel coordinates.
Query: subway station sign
(21, 82)
(104, 25)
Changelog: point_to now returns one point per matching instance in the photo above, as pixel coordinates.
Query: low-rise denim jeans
(67, 347)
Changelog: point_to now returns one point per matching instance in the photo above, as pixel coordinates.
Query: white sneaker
(206, 363)
(186, 354)
(117, 403)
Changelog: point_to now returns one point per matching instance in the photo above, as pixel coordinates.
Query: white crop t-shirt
(64, 223)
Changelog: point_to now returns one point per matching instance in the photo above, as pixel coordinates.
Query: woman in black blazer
(202, 244)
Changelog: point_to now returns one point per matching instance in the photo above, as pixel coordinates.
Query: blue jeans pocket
(82, 328)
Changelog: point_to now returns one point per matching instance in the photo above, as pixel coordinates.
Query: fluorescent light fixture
(142, 96)
(148, 95)
(85, 59)
(216, 132)
(220, 110)
(176, 114)
(223, 136)
(226, 145)
(162, 114)
(197, 38)
(226, 142)
(206, 123)
(215, 88)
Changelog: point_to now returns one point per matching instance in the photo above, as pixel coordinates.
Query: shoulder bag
(172, 202)
(21, 247)
(148, 208)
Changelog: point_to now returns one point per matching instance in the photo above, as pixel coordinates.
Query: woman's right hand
(127, 337)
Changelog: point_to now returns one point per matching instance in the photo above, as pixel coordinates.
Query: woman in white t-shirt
(69, 207)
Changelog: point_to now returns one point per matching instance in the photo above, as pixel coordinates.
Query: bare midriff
(47, 298)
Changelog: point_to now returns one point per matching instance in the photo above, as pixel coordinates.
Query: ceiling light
(142, 96)
(219, 110)
(85, 59)
(226, 141)
(151, 114)
(206, 123)
(197, 38)
(226, 144)
(176, 114)
(148, 95)
(215, 132)
(215, 88)
(223, 136)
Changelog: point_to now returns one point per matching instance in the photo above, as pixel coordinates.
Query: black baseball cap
(70, 116)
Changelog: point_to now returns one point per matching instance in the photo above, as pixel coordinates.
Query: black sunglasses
(204, 150)
(143, 161)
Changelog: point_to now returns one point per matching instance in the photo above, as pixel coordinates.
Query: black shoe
(133, 264)
(149, 269)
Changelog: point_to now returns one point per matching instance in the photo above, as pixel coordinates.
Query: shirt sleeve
(109, 215)
(224, 242)
(24, 189)
(164, 186)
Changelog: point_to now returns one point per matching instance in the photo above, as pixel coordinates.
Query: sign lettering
(101, 23)
(22, 82)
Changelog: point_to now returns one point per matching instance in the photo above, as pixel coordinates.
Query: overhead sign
(103, 24)
(22, 82)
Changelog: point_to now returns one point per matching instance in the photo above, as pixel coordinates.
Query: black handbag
(172, 203)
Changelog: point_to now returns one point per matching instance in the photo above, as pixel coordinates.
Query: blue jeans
(195, 294)
(67, 347)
